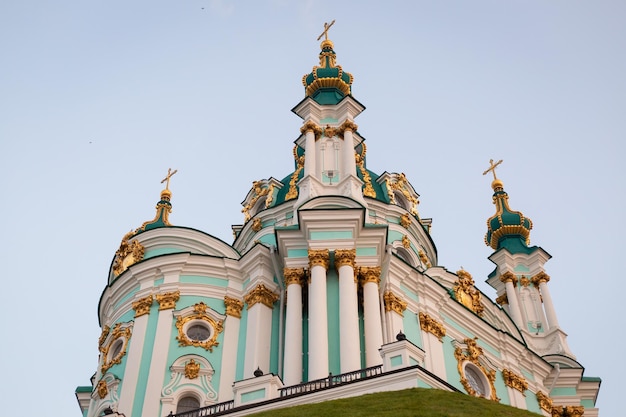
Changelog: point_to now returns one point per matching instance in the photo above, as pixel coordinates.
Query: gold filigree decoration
(401, 185)
(405, 220)
(524, 281)
(514, 381)
(105, 332)
(167, 301)
(117, 333)
(259, 190)
(319, 257)
(394, 303)
(293, 189)
(257, 225)
(293, 276)
(368, 189)
(349, 126)
(142, 306)
(233, 306)
(311, 126)
(102, 389)
(466, 293)
(545, 402)
(567, 411)
(330, 132)
(192, 369)
(345, 257)
(424, 258)
(129, 253)
(406, 242)
(261, 294)
(472, 354)
(199, 313)
(369, 274)
(503, 299)
(430, 325)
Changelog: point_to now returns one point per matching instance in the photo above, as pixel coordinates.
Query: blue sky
(99, 98)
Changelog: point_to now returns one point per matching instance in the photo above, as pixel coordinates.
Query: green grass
(407, 403)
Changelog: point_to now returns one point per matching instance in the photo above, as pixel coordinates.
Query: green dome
(328, 83)
(506, 227)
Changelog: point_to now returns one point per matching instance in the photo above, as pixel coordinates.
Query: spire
(328, 83)
(163, 207)
(507, 228)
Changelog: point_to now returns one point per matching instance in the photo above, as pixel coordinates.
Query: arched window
(187, 403)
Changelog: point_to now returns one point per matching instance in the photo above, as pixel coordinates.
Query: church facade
(331, 288)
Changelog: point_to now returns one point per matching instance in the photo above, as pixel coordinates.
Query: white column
(292, 365)
(318, 320)
(433, 332)
(349, 340)
(509, 283)
(167, 302)
(370, 277)
(541, 280)
(312, 132)
(232, 325)
(134, 353)
(348, 160)
(258, 332)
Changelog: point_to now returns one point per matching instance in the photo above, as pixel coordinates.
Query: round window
(188, 403)
(116, 349)
(475, 380)
(198, 332)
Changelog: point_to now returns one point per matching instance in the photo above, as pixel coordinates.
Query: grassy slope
(412, 402)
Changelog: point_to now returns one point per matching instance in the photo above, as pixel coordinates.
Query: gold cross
(169, 175)
(325, 32)
(492, 168)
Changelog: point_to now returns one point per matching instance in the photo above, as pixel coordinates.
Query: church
(330, 289)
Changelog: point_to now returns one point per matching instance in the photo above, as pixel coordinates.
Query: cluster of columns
(350, 349)
(313, 132)
(539, 281)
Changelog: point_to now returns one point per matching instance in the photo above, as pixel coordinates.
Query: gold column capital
(369, 274)
(168, 300)
(261, 294)
(430, 325)
(142, 306)
(345, 257)
(395, 303)
(319, 257)
(310, 126)
(348, 125)
(508, 276)
(540, 278)
(293, 276)
(514, 380)
(503, 299)
(233, 306)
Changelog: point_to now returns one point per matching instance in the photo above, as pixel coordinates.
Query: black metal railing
(211, 410)
(331, 381)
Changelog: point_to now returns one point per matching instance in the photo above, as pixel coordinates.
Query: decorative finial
(169, 175)
(325, 32)
(492, 168)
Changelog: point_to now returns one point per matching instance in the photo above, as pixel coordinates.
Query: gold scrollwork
(129, 253)
(524, 281)
(192, 369)
(256, 224)
(330, 132)
(514, 381)
(105, 332)
(472, 354)
(168, 300)
(466, 293)
(430, 325)
(102, 389)
(199, 313)
(259, 190)
(261, 294)
(567, 411)
(368, 189)
(406, 242)
(545, 402)
(401, 184)
(405, 220)
(311, 126)
(424, 258)
(319, 257)
(394, 303)
(293, 189)
(233, 306)
(116, 357)
(142, 306)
